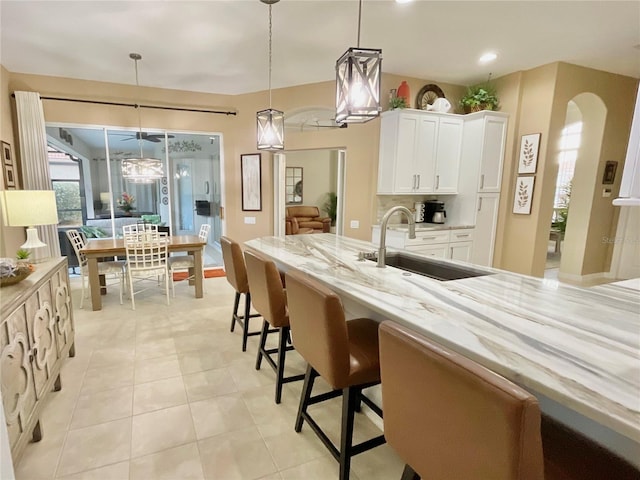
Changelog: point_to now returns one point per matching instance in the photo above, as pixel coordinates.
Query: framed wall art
(9, 168)
(528, 160)
(609, 175)
(251, 176)
(523, 195)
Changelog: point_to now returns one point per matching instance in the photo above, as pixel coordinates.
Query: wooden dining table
(98, 248)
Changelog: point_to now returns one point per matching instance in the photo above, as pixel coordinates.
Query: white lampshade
(358, 73)
(142, 170)
(28, 208)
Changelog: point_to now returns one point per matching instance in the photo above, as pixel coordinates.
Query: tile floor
(165, 392)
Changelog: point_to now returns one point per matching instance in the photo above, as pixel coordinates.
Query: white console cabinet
(36, 334)
(419, 152)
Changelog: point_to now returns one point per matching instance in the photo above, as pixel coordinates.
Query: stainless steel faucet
(383, 231)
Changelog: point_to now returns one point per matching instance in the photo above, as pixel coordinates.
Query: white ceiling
(220, 46)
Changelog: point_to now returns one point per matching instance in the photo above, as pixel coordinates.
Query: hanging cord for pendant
(136, 57)
(359, 20)
(270, 56)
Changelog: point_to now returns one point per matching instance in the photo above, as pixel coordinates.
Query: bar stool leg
(282, 349)
(245, 323)
(409, 474)
(309, 378)
(350, 398)
(236, 303)
(263, 342)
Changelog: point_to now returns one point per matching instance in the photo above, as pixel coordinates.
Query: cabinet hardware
(480, 204)
(482, 181)
(413, 187)
(437, 181)
(418, 181)
(428, 238)
(462, 235)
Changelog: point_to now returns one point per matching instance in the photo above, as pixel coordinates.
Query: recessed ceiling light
(488, 57)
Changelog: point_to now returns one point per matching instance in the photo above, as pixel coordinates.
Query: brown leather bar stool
(237, 276)
(451, 418)
(344, 353)
(269, 299)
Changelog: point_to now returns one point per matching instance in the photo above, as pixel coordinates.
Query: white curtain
(35, 162)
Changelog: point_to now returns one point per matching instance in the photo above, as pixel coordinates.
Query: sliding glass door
(188, 196)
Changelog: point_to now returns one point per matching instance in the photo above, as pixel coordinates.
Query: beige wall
(317, 178)
(537, 101)
(10, 237)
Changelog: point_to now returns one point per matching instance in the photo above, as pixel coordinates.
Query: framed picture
(528, 160)
(251, 175)
(609, 175)
(8, 167)
(523, 196)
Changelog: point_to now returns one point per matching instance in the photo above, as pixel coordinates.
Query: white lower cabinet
(449, 244)
(484, 234)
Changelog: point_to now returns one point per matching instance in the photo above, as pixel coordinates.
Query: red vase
(403, 91)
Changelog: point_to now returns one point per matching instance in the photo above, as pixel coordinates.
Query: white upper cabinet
(492, 156)
(419, 152)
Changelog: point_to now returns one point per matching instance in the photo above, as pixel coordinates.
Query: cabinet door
(42, 338)
(485, 231)
(448, 150)
(63, 313)
(493, 142)
(438, 250)
(460, 251)
(405, 179)
(425, 157)
(16, 377)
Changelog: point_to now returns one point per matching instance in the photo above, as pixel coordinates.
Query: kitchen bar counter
(577, 347)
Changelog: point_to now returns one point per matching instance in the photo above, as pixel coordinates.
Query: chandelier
(270, 122)
(358, 73)
(141, 170)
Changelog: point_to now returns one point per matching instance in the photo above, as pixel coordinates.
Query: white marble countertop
(579, 347)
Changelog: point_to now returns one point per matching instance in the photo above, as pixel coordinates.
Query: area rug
(208, 273)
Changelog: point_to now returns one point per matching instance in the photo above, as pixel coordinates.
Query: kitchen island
(576, 349)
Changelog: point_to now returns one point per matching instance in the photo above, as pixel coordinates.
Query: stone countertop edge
(544, 335)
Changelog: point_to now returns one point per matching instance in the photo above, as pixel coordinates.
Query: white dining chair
(184, 262)
(116, 267)
(146, 260)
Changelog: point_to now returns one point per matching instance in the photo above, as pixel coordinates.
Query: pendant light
(270, 122)
(358, 73)
(141, 170)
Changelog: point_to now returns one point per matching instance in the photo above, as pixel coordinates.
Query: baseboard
(584, 280)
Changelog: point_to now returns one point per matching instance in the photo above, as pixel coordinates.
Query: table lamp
(28, 208)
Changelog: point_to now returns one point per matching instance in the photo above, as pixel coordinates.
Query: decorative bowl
(16, 276)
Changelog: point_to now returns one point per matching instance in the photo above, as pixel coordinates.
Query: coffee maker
(434, 212)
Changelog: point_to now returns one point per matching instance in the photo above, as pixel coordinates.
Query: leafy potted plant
(331, 207)
(397, 102)
(480, 97)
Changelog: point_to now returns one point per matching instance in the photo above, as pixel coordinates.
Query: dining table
(97, 248)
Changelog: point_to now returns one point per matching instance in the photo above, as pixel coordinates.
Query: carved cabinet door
(16, 378)
(63, 309)
(42, 338)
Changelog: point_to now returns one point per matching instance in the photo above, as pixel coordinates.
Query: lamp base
(33, 241)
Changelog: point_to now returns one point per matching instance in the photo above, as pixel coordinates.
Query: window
(65, 179)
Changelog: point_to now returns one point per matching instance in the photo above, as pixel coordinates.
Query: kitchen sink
(430, 268)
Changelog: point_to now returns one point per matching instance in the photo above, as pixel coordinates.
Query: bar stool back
(269, 299)
(237, 277)
(344, 353)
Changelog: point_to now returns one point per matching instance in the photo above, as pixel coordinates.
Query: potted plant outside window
(480, 97)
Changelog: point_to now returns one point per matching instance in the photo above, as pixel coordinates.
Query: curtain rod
(135, 105)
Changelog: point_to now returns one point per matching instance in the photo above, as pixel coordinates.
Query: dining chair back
(139, 228)
(117, 268)
(146, 260)
(184, 262)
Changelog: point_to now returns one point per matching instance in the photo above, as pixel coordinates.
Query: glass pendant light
(270, 122)
(141, 170)
(358, 73)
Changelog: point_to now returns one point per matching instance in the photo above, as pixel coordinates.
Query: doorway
(316, 178)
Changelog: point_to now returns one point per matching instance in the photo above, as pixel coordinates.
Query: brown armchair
(304, 219)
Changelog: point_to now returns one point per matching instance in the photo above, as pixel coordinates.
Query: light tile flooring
(165, 392)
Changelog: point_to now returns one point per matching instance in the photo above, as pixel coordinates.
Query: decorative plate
(427, 95)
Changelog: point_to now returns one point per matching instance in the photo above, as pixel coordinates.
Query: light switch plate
(250, 220)
(355, 224)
